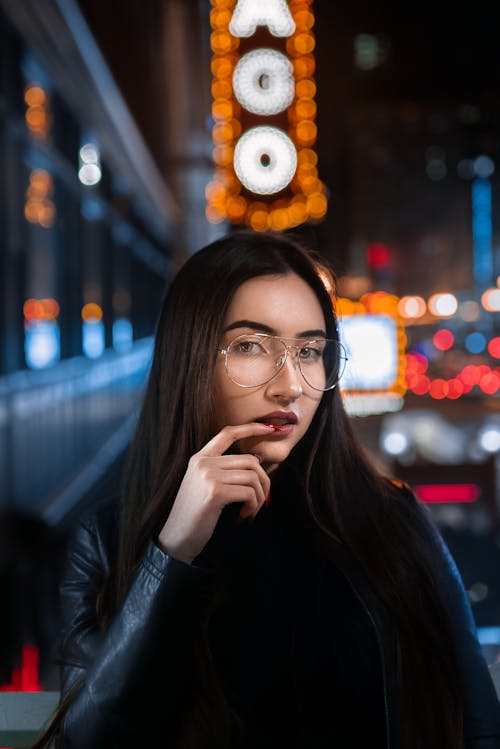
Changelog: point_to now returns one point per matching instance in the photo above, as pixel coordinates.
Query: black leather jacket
(155, 626)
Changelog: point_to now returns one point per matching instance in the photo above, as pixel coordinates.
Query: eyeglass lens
(253, 360)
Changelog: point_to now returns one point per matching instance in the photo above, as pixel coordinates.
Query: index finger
(231, 434)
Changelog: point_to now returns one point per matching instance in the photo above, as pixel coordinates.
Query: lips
(282, 421)
(278, 418)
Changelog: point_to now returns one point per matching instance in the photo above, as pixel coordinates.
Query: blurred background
(117, 131)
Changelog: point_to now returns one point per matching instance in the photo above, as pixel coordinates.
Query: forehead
(285, 303)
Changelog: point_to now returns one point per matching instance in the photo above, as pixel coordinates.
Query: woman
(263, 584)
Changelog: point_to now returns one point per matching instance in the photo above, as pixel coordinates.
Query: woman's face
(287, 307)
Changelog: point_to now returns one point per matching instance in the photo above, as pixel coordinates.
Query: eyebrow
(262, 328)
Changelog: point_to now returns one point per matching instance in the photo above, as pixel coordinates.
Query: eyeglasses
(254, 359)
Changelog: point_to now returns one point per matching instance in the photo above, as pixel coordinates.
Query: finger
(238, 493)
(231, 434)
(244, 462)
(245, 478)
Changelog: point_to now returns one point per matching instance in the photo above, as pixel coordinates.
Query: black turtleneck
(295, 649)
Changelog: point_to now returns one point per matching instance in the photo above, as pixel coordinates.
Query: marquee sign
(264, 112)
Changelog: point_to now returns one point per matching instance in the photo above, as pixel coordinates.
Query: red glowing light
(489, 383)
(439, 389)
(417, 362)
(430, 493)
(377, 255)
(422, 386)
(455, 388)
(25, 678)
(443, 339)
(494, 348)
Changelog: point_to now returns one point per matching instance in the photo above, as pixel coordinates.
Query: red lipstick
(282, 422)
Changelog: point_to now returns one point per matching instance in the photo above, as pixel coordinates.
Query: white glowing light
(395, 443)
(263, 82)
(89, 174)
(371, 342)
(265, 160)
(89, 154)
(366, 405)
(489, 440)
(443, 305)
(275, 14)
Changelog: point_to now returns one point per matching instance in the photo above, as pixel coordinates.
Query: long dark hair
(390, 537)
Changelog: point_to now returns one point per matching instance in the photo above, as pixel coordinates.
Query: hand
(212, 481)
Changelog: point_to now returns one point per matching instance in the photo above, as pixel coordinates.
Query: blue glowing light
(123, 338)
(482, 230)
(42, 347)
(93, 338)
(475, 343)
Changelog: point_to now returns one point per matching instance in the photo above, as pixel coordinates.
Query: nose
(287, 384)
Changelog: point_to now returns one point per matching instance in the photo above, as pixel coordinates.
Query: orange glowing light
(232, 121)
(91, 312)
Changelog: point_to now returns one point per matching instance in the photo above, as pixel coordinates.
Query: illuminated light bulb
(89, 154)
(412, 307)
(455, 388)
(443, 340)
(263, 82)
(395, 443)
(316, 205)
(304, 20)
(305, 109)
(304, 67)
(222, 109)
(307, 156)
(490, 440)
(213, 215)
(265, 160)
(221, 42)
(91, 311)
(302, 44)
(443, 305)
(35, 96)
(222, 67)
(469, 310)
(259, 220)
(306, 132)
(439, 389)
(494, 348)
(475, 342)
(423, 385)
(221, 89)
(305, 89)
(489, 383)
(275, 14)
(491, 300)
(89, 174)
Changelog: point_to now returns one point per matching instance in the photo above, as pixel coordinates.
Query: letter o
(265, 160)
(263, 82)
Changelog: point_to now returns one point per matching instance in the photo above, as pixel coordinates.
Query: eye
(313, 352)
(247, 347)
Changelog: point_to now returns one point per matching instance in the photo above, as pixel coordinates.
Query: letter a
(275, 14)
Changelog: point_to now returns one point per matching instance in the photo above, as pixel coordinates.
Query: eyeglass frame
(287, 349)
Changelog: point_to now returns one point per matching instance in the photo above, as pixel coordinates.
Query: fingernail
(268, 498)
(259, 457)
